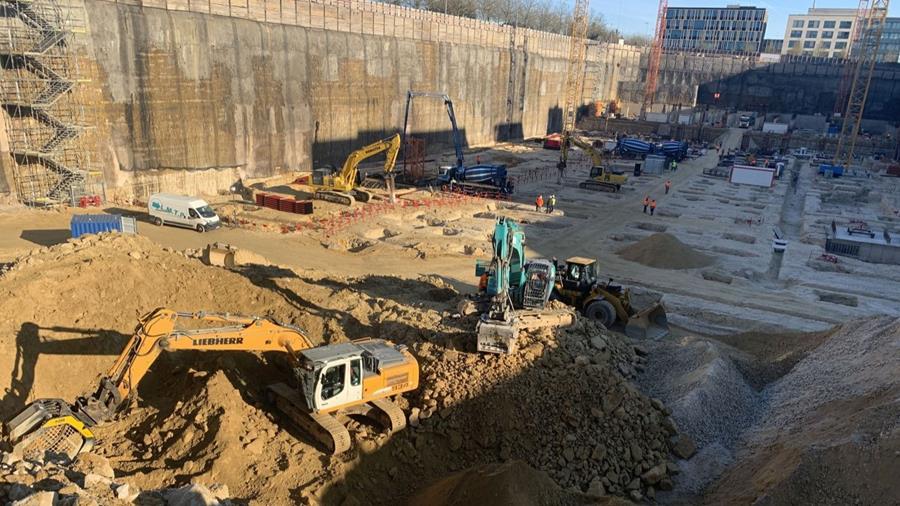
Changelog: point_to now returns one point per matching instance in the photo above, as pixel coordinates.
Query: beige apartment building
(826, 33)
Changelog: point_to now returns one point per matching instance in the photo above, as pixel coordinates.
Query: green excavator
(513, 292)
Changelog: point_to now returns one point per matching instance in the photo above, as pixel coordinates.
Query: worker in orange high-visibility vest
(646, 203)
(539, 203)
(652, 206)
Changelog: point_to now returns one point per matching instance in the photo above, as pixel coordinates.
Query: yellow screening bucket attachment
(48, 430)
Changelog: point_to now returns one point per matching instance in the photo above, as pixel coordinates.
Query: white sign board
(658, 117)
(756, 176)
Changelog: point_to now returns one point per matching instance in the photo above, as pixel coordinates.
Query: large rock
(91, 463)
(37, 499)
(654, 474)
(191, 495)
(683, 447)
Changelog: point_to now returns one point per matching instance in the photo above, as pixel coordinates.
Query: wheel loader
(578, 285)
(330, 382)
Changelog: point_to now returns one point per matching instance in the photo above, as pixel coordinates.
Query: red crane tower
(655, 57)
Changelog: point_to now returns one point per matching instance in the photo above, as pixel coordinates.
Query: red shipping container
(260, 199)
(286, 205)
(303, 207)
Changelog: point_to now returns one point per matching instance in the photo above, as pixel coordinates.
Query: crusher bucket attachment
(48, 429)
(497, 336)
(651, 323)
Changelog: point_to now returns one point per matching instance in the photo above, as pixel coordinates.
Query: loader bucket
(47, 429)
(651, 323)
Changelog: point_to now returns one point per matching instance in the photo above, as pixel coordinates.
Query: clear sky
(639, 16)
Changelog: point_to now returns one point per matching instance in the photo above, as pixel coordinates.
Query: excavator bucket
(497, 336)
(651, 323)
(47, 429)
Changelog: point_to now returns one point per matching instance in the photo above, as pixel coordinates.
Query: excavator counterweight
(357, 377)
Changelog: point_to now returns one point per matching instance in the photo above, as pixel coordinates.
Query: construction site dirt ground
(783, 407)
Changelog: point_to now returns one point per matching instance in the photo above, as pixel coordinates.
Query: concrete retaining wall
(257, 90)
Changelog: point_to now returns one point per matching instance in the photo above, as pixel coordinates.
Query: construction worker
(483, 282)
(538, 203)
(646, 203)
(668, 185)
(652, 206)
(551, 203)
(674, 165)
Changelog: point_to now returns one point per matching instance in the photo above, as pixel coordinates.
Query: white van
(183, 211)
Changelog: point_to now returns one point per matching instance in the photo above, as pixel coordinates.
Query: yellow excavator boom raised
(596, 156)
(341, 187)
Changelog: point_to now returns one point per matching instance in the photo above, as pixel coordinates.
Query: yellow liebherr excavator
(335, 380)
(342, 187)
(601, 178)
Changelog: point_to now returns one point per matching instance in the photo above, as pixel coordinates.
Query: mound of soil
(830, 432)
(565, 404)
(513, 483)
(665, 251)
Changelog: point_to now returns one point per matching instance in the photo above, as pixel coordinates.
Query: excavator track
(324, 428)
(598, 186)
(389, 415)
(334, 197)
(361, 195)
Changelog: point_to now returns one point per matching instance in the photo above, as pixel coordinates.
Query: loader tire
(601, 311)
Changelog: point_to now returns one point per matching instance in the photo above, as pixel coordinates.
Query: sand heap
(512, 483)
(665, 251)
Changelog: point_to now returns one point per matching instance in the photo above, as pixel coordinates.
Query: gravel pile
(710, 401)
(860, 358)
(563, 404)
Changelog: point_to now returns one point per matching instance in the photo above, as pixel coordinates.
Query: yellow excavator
(601, 178)
(342, 187)
(332, 381)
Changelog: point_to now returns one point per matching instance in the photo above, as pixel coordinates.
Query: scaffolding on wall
(44, 118)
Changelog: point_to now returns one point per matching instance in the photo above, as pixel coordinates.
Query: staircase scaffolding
(43, 115)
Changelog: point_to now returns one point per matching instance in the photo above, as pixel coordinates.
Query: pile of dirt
(665, 251)
(829, 433)
(710, 400)
(203, 417)
(513, 483)
(563, 405)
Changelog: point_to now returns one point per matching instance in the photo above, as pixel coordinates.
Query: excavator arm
(350, 170)
(596, 157)
(63, 428)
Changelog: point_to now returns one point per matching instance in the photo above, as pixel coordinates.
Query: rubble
(91, 480)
